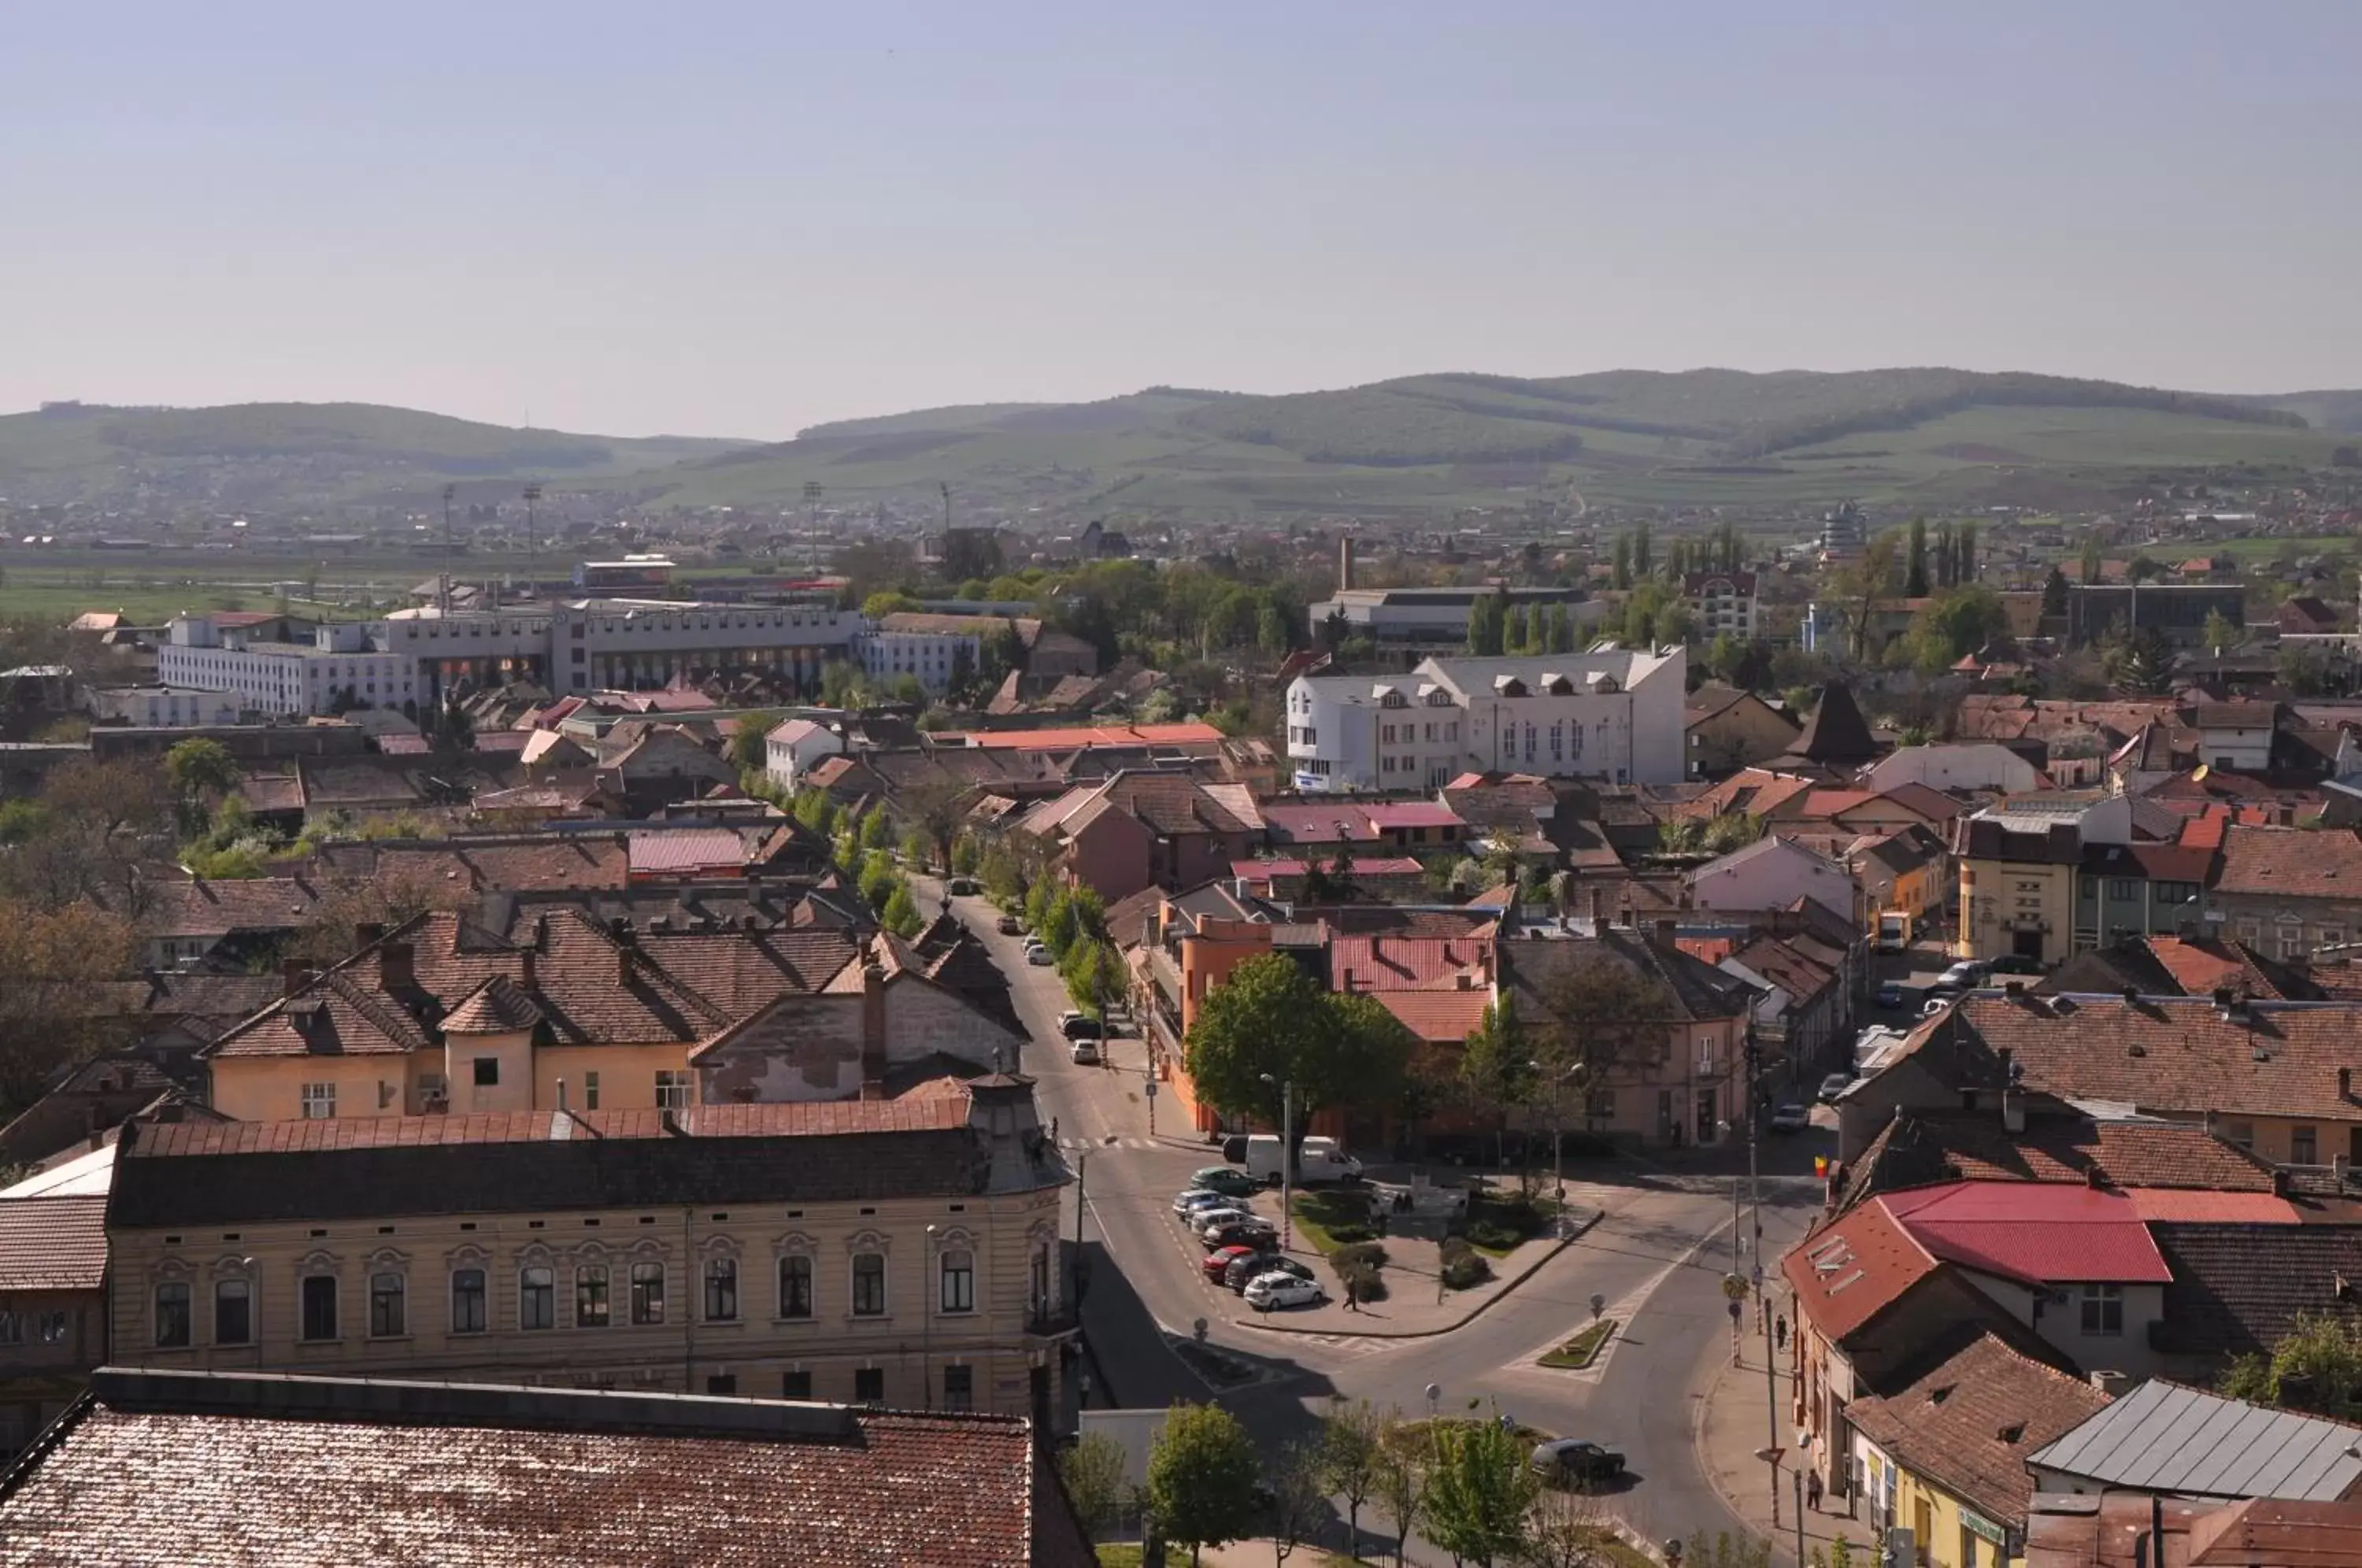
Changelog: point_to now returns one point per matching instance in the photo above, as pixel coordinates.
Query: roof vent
(2262, 1054)
(2061, 1006)
(2013, 1432)
(2137, 1049)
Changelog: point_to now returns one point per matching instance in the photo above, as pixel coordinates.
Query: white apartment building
(1722, 602)
(929, 646)
(164, 707)
(348, 663)
(1615, 716)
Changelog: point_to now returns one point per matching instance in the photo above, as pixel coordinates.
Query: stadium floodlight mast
(532, 569)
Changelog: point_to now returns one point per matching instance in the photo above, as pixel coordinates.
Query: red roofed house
(2286, 891)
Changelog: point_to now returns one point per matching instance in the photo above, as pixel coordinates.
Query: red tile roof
(1386, 963)
(1969, 1424)
(1265, 870)
(2039, 1232)
(2157, 1205)
(1437, 1017)
(2291, 863)
(656, 852)
(1848, 1272)
(53, 1243)
(1097, 734)
(484, 1477)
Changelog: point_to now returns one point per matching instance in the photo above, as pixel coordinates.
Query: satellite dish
(2198, 774)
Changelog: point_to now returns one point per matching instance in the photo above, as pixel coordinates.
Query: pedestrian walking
(1351, 1304)
(1779, 1330)
(1813, 1490)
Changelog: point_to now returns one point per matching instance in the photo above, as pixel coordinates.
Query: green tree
(2054, 595)
(2219, 635)
(1952, 626)
(1272, 1019)
(889, 602)
(1297, 1502)
(2139, 663)
(746, 742)
(1515, 638)
(2306, 672)
(1915, 573)
(1479, 1492)
(1488, 624)
(878, 879)
(877, 831)
(1093, 1472)
(1349, 1452)
(1623, 568)
(1643, 560)
(1608, 1014)
(1401, 1481)
(195, 768)
(1496, 1068)
(1964, 547)
(2091, 560)
(1202, 1477)
(901, 914)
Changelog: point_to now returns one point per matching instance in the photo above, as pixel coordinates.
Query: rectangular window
(869, 1285)
(172, 1315)
(2103, 1309)
(319, 1101)
(959, 1282)
(389, 1306)
(2123, 891)
(467, 1301)
(796, 1287)
(232, 1312)
(589, 1091)
(2304, 1146)
(795, 1385)
(488, 1072)
(959, 1388)
(869, 1386)
(591, 1297)
(537, 1298)
(672, 1091)
(319, 1298)
(647, 1293)
(722, 1382)
(722, 1290)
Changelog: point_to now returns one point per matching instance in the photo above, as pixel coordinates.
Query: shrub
(1371, 1255)
(1500, 1238)
(1368, 1283)
(1463, 1266)
(1351, 1233)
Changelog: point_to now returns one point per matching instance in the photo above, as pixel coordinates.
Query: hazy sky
(740, 219)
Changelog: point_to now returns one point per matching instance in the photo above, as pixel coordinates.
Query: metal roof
(2162, 1437)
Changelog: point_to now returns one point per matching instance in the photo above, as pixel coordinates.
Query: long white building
(345, 665)
(1613, 716)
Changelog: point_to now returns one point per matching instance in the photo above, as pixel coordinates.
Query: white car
(1085, 1052)
(1220, 1215)
(1039, 955)
(1201, 1197)
(1266, 1292)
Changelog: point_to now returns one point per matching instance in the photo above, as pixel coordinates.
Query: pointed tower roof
(1835, 735)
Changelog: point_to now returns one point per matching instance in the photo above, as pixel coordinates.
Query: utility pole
(1286, 1161)
(443, 598)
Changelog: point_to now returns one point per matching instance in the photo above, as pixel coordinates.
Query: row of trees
(1635, 558)
(1497, 625)
(1463, 1483)
(1072, 923)
(1955, 559)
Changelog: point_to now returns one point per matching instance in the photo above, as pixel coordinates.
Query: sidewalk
(1731, 1431)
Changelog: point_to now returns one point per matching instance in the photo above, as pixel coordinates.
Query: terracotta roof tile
(1970, 1422)
(1848, 1272)
(496, 1007)
(2291, 863)
(53, 1243)
(2238, 1288)
(1437, 1016)
(1387, 963)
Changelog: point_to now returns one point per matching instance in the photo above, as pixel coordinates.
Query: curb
(1508, 1285)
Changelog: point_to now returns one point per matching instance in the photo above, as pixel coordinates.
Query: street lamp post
(927, 1303)
(1286, 1159)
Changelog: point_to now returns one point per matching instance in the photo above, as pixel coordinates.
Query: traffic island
(1579, 1352)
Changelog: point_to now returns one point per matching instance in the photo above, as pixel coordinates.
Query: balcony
(1053, 1321)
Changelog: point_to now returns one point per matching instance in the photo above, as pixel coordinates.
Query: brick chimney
(397, 968)
(873, 1031)
(293, 975)
(1665, 933)
(529, 971)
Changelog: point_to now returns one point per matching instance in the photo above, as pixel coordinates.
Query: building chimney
(2013, 1110)
(529, 971)
(397, 968)
(1345, 563)
(623, 967)
(293, 975)
(366, 932)
(561, 1096)
(873, 1030)
(1665, 930)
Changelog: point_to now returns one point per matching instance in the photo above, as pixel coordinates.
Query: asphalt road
(1658, 1256)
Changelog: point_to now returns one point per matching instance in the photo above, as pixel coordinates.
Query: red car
(1220, 1258)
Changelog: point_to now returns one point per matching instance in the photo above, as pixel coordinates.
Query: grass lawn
(1413, 1437)
(1318, 1212)
(1119, 1554)
(1584, 1348)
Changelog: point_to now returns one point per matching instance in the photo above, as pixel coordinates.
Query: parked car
(1834, 1085)
(1009, 925)
(1080, 1026)
(1245, 1271)
(1221, 1260)
(1195, 1197)
(1225, 1179)
(1038, 955)
(1272, 1291)
(1791, 1117)
(1576, 1462)
(1085, 1052)
(1893, 993)
(2016, 964)
(1965, 976)
(1215, 1215)
(1234, 1150)
(961, 887)
(1248, 1232)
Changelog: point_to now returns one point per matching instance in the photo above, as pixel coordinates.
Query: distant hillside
(1421, 444)
(299, 454)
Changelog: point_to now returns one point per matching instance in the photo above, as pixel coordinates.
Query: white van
(1318, 1161)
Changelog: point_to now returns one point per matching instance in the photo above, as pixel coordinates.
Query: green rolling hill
(294, 453)
(1415, 447)
(1422, 445)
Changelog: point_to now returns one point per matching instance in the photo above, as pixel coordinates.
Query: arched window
(869, 1285)
(467, 1301)
(957, 1272)
(647, 1293)
(590, 1296)
(721, 1290)
(796, 1285)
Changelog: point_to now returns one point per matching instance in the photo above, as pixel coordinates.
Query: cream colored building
(893, 1252)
